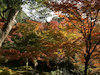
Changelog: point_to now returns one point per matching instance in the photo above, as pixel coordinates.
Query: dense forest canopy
(68, 43)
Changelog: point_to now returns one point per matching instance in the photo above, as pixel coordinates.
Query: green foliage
(39, 1)
(7, 5)
(21, 17)
(23, 68)
(6, 71)
(14, 4)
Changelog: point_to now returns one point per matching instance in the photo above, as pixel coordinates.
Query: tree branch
(95, 47)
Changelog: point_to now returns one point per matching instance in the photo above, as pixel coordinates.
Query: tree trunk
(8, 25)
(86, 67)
(27, 64)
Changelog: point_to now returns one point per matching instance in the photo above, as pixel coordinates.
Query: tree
(84, 15)
(45, 42)
(9, 11)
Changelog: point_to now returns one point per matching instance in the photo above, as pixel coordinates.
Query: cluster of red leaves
(13, 54)
(2, 22)
(9, 37)
(54, 24)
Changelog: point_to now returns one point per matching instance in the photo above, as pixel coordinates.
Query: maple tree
(44, 42)
(57, 40)
(78, 33)
(84, 15)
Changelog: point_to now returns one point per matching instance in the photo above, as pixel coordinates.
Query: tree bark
(8, 25)
(86, 65)
(86, 68)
